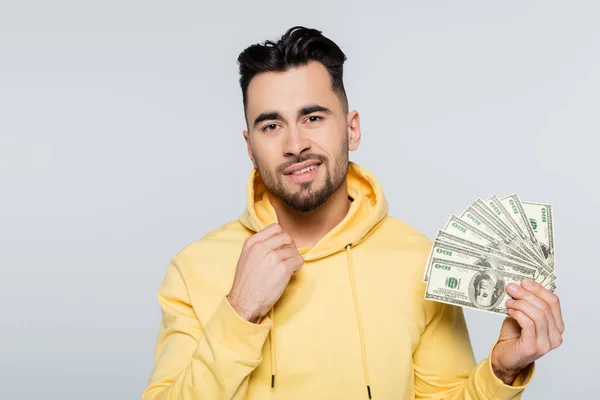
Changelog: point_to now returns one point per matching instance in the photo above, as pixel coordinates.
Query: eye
(270, 128)
(314, 118)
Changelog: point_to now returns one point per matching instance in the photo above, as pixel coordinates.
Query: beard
(308, 197)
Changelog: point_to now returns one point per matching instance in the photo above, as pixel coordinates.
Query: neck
(306, 229)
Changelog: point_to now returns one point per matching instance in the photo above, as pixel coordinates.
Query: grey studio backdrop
(121, 143)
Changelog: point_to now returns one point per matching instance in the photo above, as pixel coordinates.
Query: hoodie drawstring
(272, 340)
(358, 319)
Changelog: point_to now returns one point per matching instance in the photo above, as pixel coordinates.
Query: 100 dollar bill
(540, 219)
(468, 285)
(513, 204)
(447, 251)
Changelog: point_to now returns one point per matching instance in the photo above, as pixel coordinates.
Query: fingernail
(512, 287)
(528, 283)
(509, 302)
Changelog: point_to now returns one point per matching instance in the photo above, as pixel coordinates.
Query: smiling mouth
(303, 167)
(305, 170)
(304, 175)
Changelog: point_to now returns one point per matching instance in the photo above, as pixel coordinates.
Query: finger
(294, 263)
(539, 319)
(287, 252)
(264, 234)
(522, 293)
(528, 335)
(549, 298)
(277, 242)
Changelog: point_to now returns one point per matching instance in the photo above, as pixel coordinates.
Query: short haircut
(295, 48)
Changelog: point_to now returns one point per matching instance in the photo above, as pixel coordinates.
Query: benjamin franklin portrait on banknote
(486, 289)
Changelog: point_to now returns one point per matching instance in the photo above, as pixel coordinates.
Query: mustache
(296, 160)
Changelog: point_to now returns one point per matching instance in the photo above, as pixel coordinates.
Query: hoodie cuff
(493, 388)
(235, 333)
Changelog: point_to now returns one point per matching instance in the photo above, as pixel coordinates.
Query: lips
(301, 166)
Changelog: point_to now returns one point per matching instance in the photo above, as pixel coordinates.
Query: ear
(249, 147)
(353, 122)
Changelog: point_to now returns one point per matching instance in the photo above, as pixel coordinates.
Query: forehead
(288, 91)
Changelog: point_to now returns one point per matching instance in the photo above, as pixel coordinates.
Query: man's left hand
(534, 328)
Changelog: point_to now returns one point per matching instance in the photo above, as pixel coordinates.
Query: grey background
(120, 143)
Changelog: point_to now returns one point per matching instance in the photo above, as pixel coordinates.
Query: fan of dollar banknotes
(492, 243)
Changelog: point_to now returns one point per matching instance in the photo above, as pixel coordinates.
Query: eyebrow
(308, 109)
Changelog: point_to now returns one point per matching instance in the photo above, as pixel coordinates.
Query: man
(314, 292)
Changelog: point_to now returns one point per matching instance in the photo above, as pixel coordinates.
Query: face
(484, 292)
(299, 135)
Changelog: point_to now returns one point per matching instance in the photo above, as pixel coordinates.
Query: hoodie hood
(368, 210)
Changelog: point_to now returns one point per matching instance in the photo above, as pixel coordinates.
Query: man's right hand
(264, 269)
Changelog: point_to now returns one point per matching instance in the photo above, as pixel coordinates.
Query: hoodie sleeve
(445, 366)
(192, 361)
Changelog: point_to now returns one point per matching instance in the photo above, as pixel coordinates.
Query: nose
(295, 142)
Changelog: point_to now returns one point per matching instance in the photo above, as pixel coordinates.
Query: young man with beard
(315, 292)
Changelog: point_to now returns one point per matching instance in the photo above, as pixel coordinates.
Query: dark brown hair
(296, 47)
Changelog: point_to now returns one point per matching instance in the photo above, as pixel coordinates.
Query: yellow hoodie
(352, 323)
